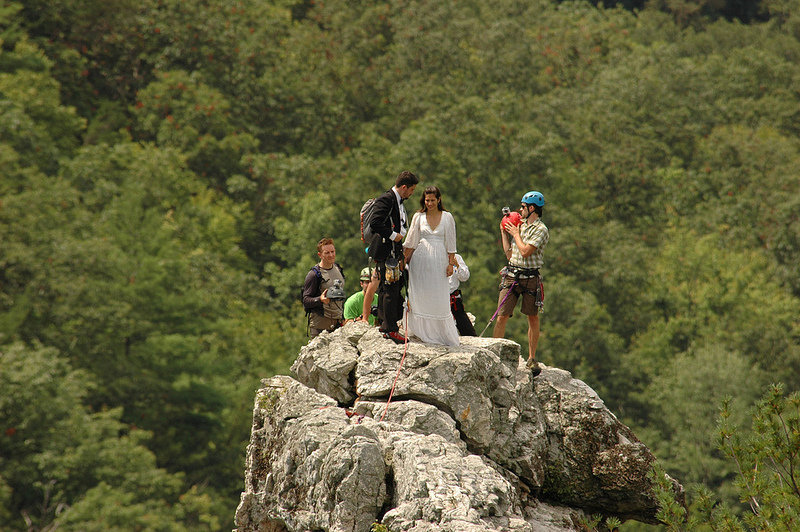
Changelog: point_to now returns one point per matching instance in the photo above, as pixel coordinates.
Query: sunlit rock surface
(469, 442)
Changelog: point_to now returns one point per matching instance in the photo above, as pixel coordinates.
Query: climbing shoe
(533, 366)
(395, 336)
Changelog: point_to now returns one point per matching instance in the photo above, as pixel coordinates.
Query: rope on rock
(405, 350)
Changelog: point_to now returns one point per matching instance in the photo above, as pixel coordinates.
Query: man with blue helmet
(521, 277)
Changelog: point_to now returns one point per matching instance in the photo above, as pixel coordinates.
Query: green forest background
(167, 167)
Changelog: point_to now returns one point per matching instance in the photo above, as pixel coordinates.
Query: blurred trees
(168, 167)
(66, 467)
(765, 459)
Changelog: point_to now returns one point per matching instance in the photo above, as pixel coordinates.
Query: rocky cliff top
(469, 442)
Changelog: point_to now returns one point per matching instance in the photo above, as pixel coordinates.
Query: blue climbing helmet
(533, 198)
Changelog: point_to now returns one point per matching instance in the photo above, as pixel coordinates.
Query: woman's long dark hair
(436, 192)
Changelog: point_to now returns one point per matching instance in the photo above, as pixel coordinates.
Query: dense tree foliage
(168, 166)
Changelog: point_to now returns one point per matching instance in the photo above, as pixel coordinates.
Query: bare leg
(500, 326)
(369, 296)
(533, 336)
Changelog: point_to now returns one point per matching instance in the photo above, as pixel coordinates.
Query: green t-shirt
(355, 304)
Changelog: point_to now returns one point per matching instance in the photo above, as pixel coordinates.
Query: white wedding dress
(430, 317)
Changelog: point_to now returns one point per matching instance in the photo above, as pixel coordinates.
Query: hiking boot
(395, 336)
(533, 366)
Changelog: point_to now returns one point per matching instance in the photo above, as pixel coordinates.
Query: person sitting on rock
(460, 275)
(358, 307)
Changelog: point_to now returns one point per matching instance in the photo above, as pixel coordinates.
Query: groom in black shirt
(389, 224)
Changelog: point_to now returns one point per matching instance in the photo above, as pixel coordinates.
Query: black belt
(516, 271)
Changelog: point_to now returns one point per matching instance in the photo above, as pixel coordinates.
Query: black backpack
(367, 211)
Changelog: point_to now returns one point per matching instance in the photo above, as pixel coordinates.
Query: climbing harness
(516, 272)
(521, 273)
(454, 297)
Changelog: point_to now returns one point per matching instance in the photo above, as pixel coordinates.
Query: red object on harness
(513, 218)
(454, 297)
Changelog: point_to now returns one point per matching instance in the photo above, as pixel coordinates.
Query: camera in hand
(509, 217)
(336, 291)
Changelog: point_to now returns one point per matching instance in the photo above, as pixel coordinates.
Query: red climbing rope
(405, 350)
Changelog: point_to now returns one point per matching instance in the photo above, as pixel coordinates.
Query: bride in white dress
(431, 241)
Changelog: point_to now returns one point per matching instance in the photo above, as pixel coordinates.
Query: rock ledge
(468, 443)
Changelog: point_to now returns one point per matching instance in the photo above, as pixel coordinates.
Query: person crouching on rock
(359, 306)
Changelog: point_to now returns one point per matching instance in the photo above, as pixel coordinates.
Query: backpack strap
(318, 275)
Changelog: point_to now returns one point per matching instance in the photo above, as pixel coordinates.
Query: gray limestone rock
(328, 361)
(413, 416)
(468, 442)
(592, 460)
(308, 467)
